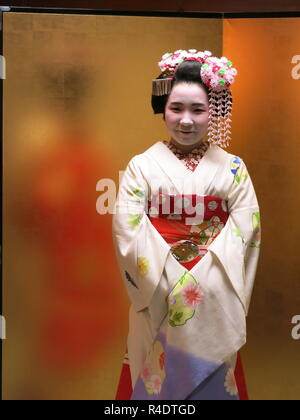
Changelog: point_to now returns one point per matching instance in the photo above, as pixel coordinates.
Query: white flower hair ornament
(170, 61)
(217, 74)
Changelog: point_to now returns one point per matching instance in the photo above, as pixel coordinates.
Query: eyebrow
(195, 103)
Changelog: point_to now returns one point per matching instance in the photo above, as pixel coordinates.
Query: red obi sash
(189, 223)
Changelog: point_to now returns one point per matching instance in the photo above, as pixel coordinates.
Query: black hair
(189, 72)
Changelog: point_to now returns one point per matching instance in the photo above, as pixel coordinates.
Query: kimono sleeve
(245, 216)
(128, 219)
(139, 248)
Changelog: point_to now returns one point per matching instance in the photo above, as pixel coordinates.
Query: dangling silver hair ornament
(220, 106)
(217, 74)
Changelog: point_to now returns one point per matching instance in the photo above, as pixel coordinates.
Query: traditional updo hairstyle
(188, 71)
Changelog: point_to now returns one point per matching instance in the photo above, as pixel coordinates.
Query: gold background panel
(77, 107)
(266, 135)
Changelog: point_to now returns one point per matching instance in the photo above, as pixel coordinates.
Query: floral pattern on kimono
(183, 300)
(153, 373)
(198, 316)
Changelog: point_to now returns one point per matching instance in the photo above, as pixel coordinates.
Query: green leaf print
(240, 175)
(238, 233)
(134, 220)
(237, 178)
(256, 230)
(181, 280)
(256, 220)
(177, 317)
(204, 237)
(138, 193)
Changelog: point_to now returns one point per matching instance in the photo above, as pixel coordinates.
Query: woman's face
(186, 115)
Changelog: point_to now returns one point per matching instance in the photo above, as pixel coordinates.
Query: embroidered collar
(190, 159)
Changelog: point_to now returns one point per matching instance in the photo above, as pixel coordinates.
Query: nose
(186, 119)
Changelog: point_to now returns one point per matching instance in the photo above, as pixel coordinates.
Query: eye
(175, 109)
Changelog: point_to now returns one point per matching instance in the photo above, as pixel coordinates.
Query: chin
(188, 141)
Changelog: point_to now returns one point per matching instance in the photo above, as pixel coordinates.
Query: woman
(187, 234)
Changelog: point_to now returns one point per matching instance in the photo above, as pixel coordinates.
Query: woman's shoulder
(140, 158)
(225, 155)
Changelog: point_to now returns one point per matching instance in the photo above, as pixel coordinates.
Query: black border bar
(207, 15)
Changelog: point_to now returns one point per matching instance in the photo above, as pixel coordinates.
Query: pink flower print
(145, 373)
(192, 295)
(156, 384)
(230, 383)
(216, 224)
(215, 221)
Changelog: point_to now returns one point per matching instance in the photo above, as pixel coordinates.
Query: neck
(186, 147)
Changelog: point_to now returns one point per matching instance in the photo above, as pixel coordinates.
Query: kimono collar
(197, 151)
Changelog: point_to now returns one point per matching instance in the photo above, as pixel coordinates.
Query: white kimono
(186, 326)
